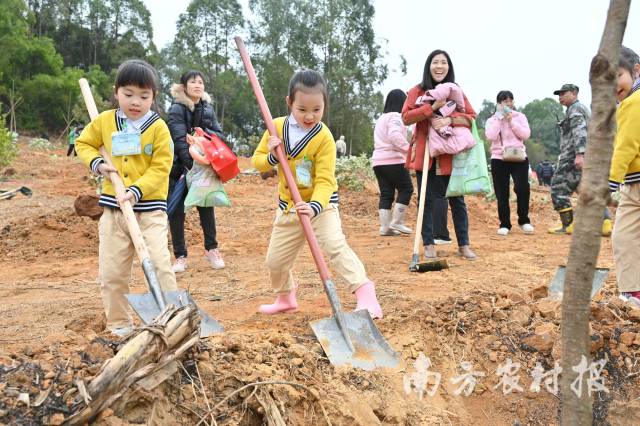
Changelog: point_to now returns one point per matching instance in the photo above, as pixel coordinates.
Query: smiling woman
(424, 111)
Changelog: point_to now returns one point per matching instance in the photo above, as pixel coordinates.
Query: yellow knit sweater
(145, 174)
(317, 150)
(625, 163)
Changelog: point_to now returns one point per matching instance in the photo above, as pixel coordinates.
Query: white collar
(137, 124)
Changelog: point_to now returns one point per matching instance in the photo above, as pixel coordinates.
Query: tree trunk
(593, 194)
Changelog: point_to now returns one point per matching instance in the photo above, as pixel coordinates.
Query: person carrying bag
(507, 130)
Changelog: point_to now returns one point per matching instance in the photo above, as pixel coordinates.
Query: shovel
(348, 338)
(430, 265)
(149, 305)
(556, 288)
(6, 195)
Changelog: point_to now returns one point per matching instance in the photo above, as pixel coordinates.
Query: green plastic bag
(469, 174)
(205, 189)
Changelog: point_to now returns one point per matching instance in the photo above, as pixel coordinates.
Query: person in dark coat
(191, 108)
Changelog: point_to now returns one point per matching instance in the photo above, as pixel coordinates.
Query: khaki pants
(116, 258)
(287, 238)
(626, 239)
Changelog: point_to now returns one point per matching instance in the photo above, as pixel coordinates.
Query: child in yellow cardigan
(311, 154)
(140, 147)
(625, 170)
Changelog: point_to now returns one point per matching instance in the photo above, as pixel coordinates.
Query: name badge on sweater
(303, 173)
(124, 143)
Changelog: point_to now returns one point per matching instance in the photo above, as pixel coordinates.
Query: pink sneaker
(215, 258)
(366, 299)
(284, 303)
(180, 265)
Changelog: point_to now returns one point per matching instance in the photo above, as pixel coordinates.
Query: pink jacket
(390, 140)
(511, 134)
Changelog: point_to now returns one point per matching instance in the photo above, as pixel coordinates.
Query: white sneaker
(121, 331)
(215, 258)
(527, 228)
(503, 231)
(439, 242)
(180, 265)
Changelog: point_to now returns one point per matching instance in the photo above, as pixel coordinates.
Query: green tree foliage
(487, 110)
(204, 42)
(543, 116)
(95, 32)
(335, 37)
(8, 149)
(39, 38)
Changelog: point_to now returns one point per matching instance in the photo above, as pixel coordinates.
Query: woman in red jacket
(437, 69)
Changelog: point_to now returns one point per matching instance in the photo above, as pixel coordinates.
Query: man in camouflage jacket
(573, 143)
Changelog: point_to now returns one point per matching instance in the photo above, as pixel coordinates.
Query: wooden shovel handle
(114, 177)
(423, 198)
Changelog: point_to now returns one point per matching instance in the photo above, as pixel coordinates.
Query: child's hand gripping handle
(126, 207)
(282, 159)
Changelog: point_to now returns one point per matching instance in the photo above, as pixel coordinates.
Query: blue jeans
(437, 187)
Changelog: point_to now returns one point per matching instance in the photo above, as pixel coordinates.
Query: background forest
(47, 45)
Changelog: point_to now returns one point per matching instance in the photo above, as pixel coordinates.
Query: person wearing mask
(507, 129)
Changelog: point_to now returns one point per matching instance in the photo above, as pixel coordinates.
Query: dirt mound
(87, 205)
(248, 377)
(58, 234)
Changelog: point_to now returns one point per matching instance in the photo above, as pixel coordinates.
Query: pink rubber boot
(284, 303)
(366, 299)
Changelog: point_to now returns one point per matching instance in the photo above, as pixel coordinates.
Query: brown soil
(52, 326)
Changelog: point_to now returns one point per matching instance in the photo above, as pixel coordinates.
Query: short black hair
(628, 59)
(395, 101)
(184, 78)
(136, 72)
(427, 81)
(307, 79)
(503, 95)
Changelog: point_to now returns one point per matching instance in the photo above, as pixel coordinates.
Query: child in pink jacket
(447, 140)
(389, 156)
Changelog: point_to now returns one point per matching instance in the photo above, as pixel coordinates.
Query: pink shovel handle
(282, 159)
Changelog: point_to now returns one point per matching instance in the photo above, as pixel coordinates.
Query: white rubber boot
(397, 222)
(385, 218)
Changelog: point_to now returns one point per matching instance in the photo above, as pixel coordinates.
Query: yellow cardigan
(319, 148)
(625, 163)
(145, 174)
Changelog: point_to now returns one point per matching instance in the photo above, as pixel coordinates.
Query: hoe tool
(149, 305)
(348, 338)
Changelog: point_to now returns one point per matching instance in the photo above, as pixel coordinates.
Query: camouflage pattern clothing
(573, 141)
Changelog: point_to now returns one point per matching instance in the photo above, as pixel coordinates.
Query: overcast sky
(529, 47)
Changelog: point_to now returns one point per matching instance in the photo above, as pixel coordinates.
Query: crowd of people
(152, 155)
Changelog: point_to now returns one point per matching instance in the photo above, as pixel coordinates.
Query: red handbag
(219, 155)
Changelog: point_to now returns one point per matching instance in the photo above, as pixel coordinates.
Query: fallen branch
(174, 332)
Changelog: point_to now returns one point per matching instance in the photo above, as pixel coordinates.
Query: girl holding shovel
(311, 154)
(140, 146)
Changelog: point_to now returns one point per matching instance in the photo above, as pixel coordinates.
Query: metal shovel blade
(146, 307)
(556, 288)
(371, 348)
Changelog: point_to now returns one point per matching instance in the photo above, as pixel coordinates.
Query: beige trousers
(116, 259)
(625, 238)
(287, 238)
